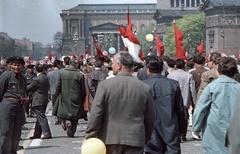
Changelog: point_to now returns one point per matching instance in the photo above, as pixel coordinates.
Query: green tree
(57, 41)
(193, 28)
(142, 38)
(38, 51)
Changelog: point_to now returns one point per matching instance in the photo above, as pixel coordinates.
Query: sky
(39, 20)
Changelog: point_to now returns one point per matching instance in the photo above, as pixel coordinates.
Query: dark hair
(199, 59)
(180, 63)
(39, 68)
(155, 64)
(190, 62)
(125, 59)
(227, 66)
(66, 60)
(98, 63)
(56, 63)
(165, 58)
(215, 57)
(171, 63)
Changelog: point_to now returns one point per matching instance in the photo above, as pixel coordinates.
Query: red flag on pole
(200, 48)
(179, 43)
(49, 56)
(159, 46)
(130, 40)
(98, 49)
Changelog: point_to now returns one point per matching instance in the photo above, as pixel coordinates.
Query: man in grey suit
(187, 87)
(40, 86)
(122, 113)
(53, 79)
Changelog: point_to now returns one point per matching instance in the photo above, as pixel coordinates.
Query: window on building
(177, 3)
(142, 27)
(193, 3)
(187, 3)
(198, 2)
(172, 3)
(182, 3)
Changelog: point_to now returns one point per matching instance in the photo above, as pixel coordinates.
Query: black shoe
(63, 125)
(20, 147)
(86, 119)
(70, 133)
(46, 137)
(34, 137)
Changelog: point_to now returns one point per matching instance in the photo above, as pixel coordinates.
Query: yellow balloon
(93, 146)
(149, 37)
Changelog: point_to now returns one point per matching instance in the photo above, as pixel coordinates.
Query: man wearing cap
(71, 94)
(12, 98)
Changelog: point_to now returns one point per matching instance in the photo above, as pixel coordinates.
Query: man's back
(187, 85)
(128, 111)
(169, 112)
(71, 94)
(53, 78)
(197, 74)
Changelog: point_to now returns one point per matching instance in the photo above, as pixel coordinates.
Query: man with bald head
(122, 113)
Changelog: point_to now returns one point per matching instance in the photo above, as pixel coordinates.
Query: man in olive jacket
(71, 94)
(122, 113)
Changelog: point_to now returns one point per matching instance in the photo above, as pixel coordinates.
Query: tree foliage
(193, 28)
(57, 41)
(38, 51)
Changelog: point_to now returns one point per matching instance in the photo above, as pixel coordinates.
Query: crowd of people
(147, 111)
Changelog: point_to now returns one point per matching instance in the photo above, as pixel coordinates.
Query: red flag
(141, 56)
(74, 56)
(223, 54)
(130, 40)
(179, 43)
(200, 48)
(81, 57)
(86, 51)
(159, 46)
(29, 59)
(49, 56)
(99, 51)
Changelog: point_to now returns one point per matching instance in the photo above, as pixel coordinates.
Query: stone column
(79, 29)
(68, 28)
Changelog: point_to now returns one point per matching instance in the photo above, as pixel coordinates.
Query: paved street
(61, 144)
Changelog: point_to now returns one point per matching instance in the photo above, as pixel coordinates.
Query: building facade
(222, 26)
(167, 11)
(81, 22)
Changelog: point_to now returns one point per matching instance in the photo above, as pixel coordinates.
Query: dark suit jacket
(39, 86)
(122, 112)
